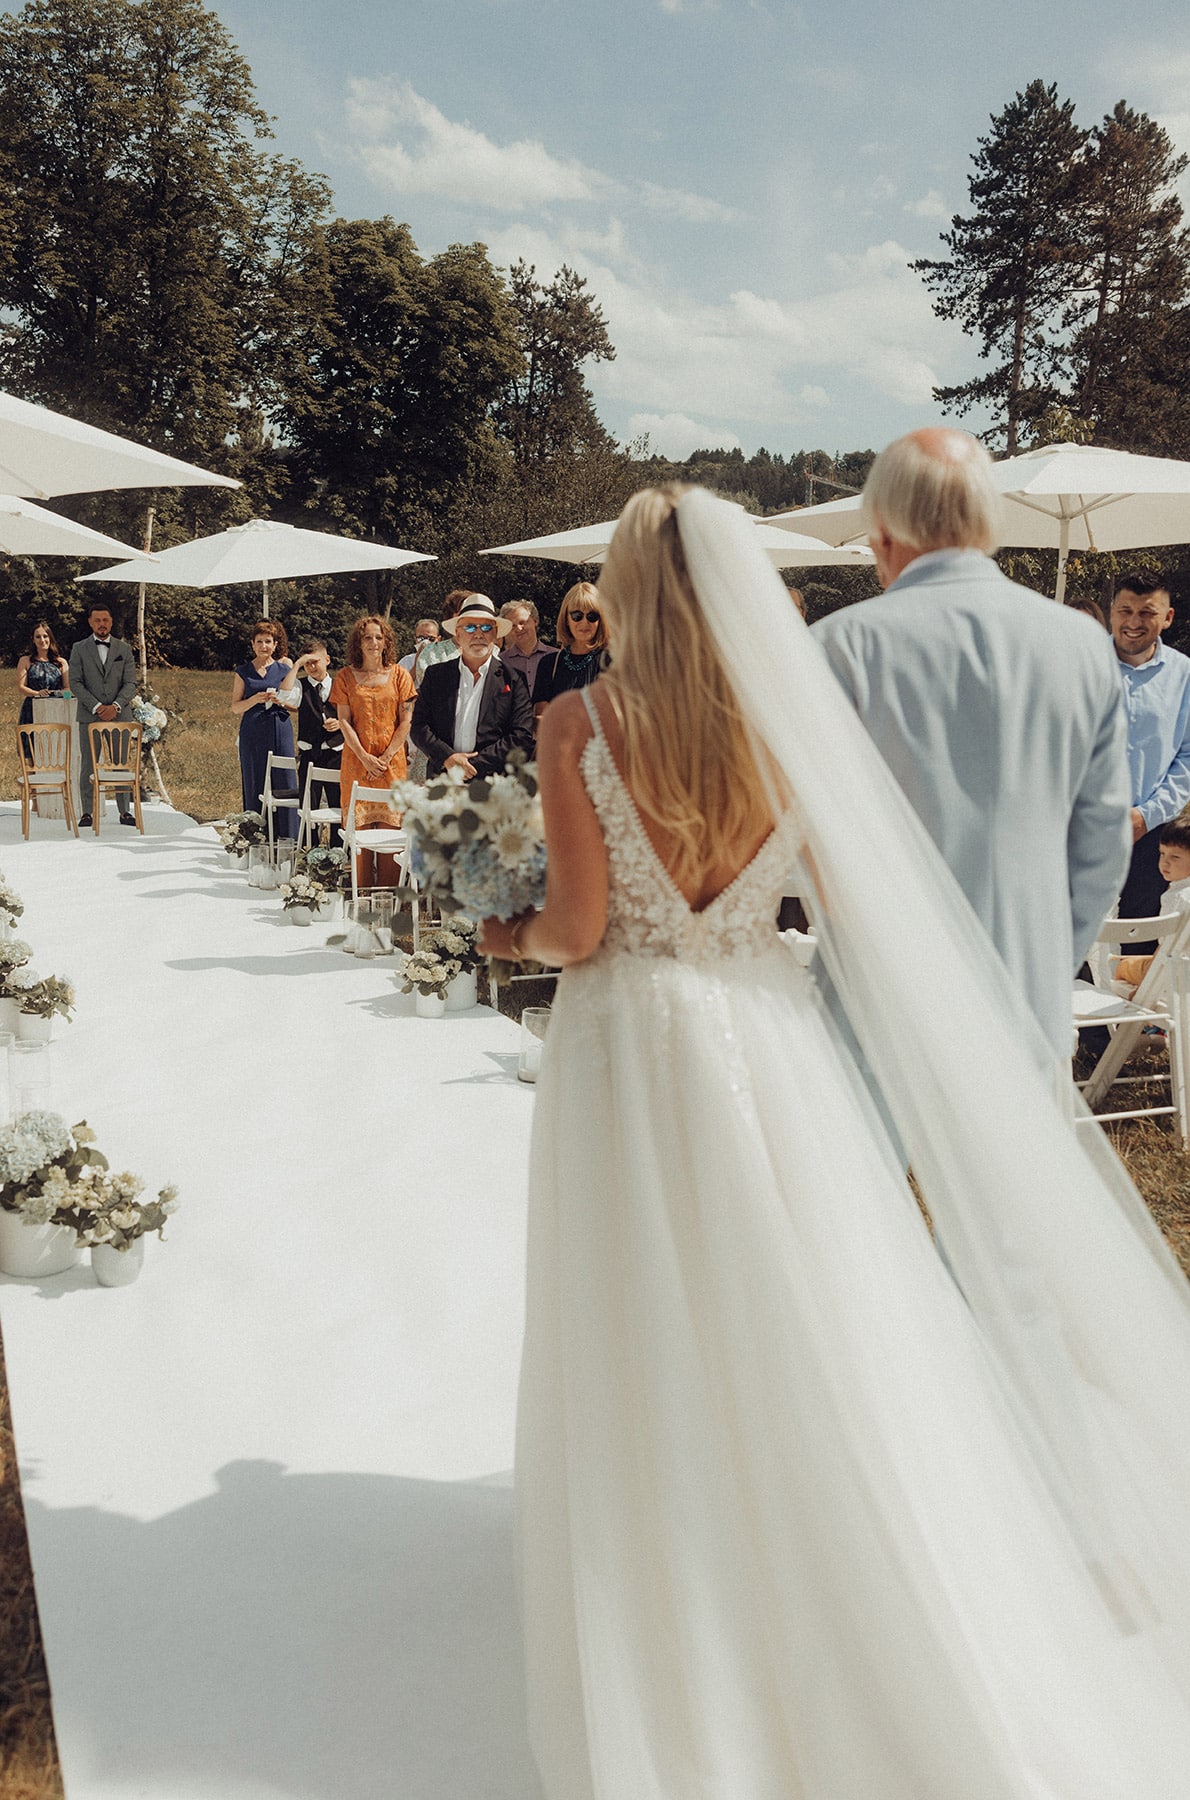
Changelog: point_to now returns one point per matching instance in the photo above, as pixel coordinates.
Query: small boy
(1173, 860)
(319, 735)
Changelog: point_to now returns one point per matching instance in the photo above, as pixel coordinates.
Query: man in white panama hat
(471, 713)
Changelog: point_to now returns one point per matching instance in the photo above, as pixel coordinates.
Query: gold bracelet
(514, 937)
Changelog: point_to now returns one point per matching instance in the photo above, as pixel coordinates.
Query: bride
(802, 1516)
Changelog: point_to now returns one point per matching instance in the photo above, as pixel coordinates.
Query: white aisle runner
(266, 1485)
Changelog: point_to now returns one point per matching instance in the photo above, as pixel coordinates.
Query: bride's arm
(570, 926)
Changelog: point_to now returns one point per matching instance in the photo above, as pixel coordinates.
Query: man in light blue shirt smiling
(1157, 700)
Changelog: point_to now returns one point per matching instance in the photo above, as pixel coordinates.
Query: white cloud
(451, 160)
(930, 206)
(695, 209)
(676, 436)
(751, 357)
(408, 144)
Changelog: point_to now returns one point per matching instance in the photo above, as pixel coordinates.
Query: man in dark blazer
(103, 682)
(472, 712)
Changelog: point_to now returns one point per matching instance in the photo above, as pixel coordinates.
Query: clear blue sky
(743, 183)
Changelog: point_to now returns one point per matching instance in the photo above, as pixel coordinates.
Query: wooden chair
(115, 767)
(1162, 999)
(311, 816)
(43, 767)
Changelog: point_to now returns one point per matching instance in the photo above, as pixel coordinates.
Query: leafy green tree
(548, 409)
(391, 411)
(1010, 271)
(150, 249)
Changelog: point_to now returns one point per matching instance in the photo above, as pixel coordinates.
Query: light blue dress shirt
(1157, 701)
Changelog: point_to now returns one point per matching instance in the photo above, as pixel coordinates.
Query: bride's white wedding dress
(787, 1530)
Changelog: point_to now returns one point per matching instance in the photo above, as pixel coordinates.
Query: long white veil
(1085, 1314)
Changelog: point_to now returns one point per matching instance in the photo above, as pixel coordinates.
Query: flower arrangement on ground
(301, 890)
(14, 954)
(41, 996)
(11, 903)
(50, 1174)
(240, 831)
(478, 847)
(150, 716)
(443, 953)
(327, 865)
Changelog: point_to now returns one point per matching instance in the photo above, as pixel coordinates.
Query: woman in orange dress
(374, 697)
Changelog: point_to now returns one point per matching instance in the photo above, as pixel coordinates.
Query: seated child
(1174, 864)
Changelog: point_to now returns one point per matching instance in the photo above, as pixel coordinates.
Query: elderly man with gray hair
(999, 713)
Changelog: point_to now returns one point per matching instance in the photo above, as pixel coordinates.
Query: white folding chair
(1162, 999)
(273, 799)
(312, 816)
(380, 840)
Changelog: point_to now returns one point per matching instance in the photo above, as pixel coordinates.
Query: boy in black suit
(317, 729)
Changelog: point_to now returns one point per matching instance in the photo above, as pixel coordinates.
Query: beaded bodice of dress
(44, 674)
(647, 915)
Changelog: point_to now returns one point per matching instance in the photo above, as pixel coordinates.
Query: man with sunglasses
(472, 712)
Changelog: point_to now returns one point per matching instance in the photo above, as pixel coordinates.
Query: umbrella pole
(264, 599)
(1063, 553)
(140, 606)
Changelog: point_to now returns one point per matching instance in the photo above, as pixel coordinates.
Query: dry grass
(201, 770)
(198, 757)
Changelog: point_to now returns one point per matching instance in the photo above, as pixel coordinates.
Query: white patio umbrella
(589, 544)
(44, 453)
(30, 530)
(1060, 497)
(262, 550)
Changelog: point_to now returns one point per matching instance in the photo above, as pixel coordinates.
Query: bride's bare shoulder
(564, 726)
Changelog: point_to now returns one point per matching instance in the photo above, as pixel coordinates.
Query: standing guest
(102, 678)
(319, 733)
(1084, 604)
(264, 716)
(471, 713)
(998, 713)
(1157, 699)
(42, 670)
(522, 649)
(582, 637)
(425, 632)
(374, 697)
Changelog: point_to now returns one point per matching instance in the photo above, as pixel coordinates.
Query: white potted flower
(58, 1197)
(14, 954)
(11, 907)
(426, 974)
(38, 999)
(300, 898)
(455, 941)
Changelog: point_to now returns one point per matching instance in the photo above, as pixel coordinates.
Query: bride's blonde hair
(688, 754)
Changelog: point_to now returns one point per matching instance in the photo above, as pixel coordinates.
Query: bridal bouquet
(51, 1175)
(478, 847)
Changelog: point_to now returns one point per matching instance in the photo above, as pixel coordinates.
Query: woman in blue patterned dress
(42, 670)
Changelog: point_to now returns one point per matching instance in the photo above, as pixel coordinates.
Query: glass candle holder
(534, 1025)
(30, 1086)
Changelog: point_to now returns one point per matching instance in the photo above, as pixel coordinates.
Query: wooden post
(140, 606)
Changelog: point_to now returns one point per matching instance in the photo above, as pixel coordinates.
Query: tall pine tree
(1009, 272)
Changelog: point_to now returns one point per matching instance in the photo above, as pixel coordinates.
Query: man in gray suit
(999, 713)
(103, 682)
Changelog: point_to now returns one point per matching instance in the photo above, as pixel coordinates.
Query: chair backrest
(43, 749)
(115, 749)
(1118, 932)
(269, 796)
(328, 778)
(385, 797)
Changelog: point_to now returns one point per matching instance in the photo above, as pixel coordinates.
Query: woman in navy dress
(264, 718)
(42, 670)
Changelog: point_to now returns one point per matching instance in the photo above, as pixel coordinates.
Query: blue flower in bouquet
(486, 887)
(151, 719)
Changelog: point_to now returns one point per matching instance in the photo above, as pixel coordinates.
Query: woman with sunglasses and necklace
(582, 637)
